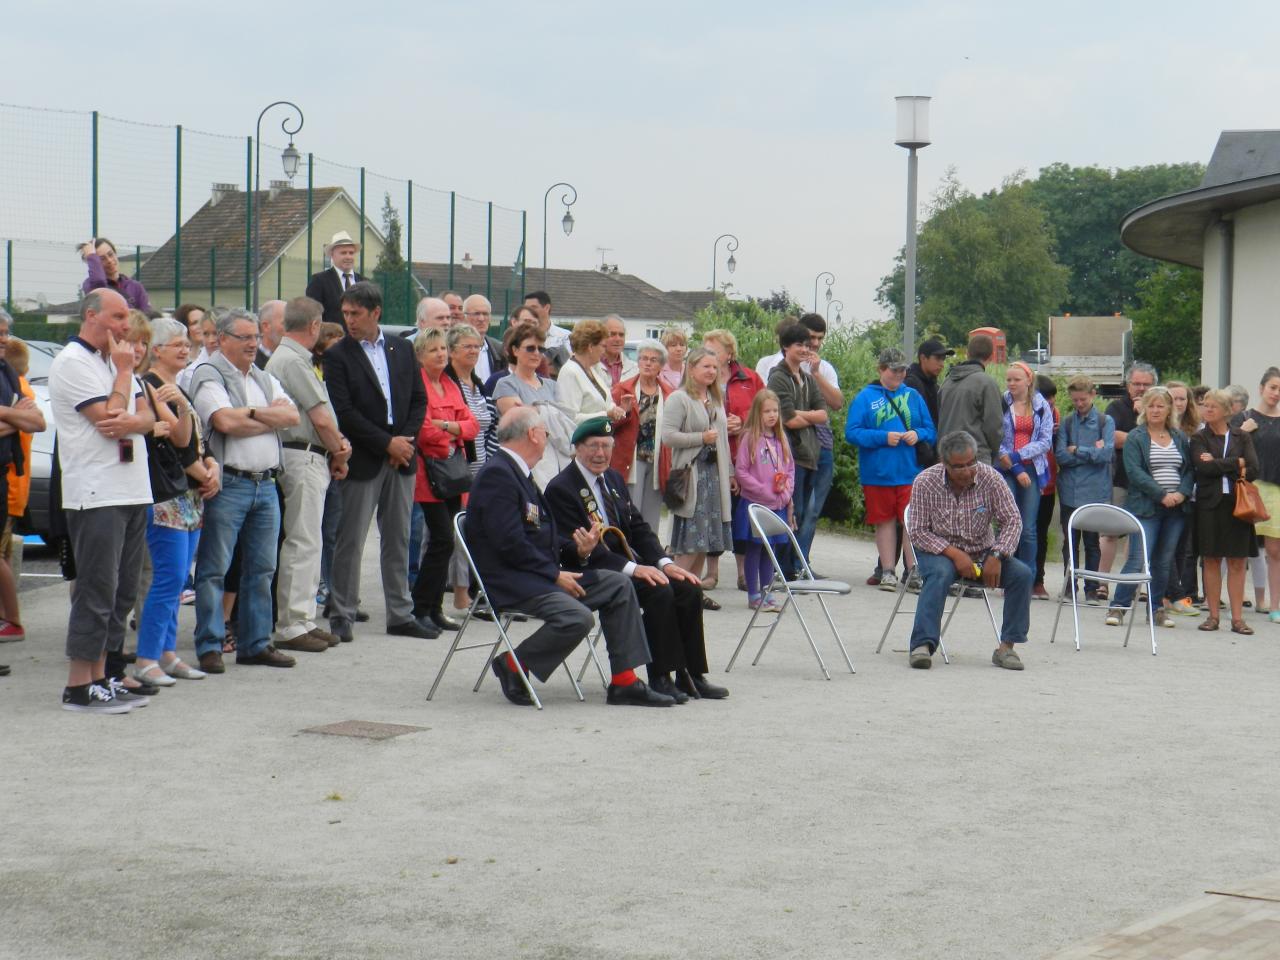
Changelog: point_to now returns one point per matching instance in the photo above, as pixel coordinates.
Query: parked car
(36, 519)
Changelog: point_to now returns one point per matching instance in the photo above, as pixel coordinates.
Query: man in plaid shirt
(953, 507)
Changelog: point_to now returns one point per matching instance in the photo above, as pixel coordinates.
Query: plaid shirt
(942, 516)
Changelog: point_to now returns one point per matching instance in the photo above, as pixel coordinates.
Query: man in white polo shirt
(102, 430)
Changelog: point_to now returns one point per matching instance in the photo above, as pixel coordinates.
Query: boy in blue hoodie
(886, 420)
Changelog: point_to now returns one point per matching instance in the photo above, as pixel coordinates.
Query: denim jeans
(1163, 532)
(417, 533)
(820, 486)
(172, 551)
(249, 510)
(1028, 500)
(802, 503)
(938, 573)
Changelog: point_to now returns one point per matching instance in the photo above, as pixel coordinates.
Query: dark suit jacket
(361, 408)
(512, 534)
(327, 289)
(497, 359)
(564, 494)
(1209, 473)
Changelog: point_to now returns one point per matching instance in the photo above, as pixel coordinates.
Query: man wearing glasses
(953, 507)
(478, 312)
(243, 409)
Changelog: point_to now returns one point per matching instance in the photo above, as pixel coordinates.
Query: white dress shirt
(377, 354)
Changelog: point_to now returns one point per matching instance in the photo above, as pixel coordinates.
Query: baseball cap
(892, 358)
(933, 347)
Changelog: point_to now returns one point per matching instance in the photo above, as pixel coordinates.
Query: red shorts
(886, 503)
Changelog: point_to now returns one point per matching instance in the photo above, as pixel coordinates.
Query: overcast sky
(676, 121)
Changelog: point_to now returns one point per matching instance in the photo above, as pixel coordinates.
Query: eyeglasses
(244, 337)
(531, 348)
(963, 467)
(598, 446)
(467, 346)
(478, 313)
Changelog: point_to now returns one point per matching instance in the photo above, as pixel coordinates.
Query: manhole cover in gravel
(366, 729)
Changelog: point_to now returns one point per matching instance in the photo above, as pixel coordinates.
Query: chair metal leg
(453, 648)
(1133, 615)
(1151, 619)
(574, 680)
(772, 627)
(902, 589)
(745, 633)
(594, 657)
(834, 632)
(804, 626)
(1062, 596)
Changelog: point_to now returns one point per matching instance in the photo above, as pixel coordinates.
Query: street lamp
(831, 278)
(566, 222)
(731, 246)
(839, 305)
(913, 134)
(290, 159)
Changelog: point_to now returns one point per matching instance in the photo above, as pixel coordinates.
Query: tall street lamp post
(732, 263)
(839, 305)
(830, 279)
(913, 134)
(290, 159)
(568, 199)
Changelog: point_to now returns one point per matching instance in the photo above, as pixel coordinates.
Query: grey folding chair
(501, 620)
(955, 605)
(1111, 521)
(768, 524)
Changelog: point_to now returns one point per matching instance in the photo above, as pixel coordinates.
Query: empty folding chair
(503, 622)
(962, 584)
(1110, 521)
(768, 524)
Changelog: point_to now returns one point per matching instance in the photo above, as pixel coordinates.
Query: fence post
(408, 258)
(213, 278)
(488, 270)
(453, 213)
(248, 223)
(362, 220)
(279, 279)
(94, 176)
(311, 185)
(137, 262)
(8, 275)
(524, 250)
(177, 225)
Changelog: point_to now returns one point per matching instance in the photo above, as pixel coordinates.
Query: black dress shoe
(441, 620)
(637, 694)
(512, 688)
(701, 687)
(361, 616)
(421, 629)
(661, 683)
(327, 613)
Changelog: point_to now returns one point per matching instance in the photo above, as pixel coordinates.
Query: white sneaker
(888, 582)
(1115, 617)
(101, 700)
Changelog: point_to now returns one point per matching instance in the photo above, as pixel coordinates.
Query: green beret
(595, 427)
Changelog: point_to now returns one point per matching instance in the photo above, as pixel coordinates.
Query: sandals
(182, 671)
(709, 583)
(1239, 626)
(153, 674)
(1210, 623)
(709, 604)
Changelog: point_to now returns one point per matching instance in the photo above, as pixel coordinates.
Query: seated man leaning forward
(513, 540)
(586, 493)
(953, 505)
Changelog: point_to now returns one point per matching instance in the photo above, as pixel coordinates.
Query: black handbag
(676, 491)
(450, 477)
(164, 464)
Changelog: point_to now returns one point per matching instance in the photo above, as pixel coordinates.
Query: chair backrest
(460, 538)
(767, 525)
(1108, 520)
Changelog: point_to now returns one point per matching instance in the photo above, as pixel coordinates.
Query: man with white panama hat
(328, 285)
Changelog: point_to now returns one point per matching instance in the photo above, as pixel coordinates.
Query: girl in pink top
(766, 475)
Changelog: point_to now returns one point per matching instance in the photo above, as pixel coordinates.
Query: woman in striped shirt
(1158, 464)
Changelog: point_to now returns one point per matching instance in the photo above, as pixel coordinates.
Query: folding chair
(1110, 521)
(942, 647)
(768, 524)
(503, 623)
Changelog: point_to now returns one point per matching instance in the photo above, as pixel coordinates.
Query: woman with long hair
(1180, 596)
(1220, 453)
(1262, 423)
(1024, 449)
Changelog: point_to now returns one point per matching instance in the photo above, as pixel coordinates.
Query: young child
(766, 475)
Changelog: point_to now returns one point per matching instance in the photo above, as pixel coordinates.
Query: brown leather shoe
(269, 656)
(211, 662)
(326, 636)
(306, 642)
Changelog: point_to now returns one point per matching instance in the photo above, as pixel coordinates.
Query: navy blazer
(326, 287)
(512, 535)
(570, 512)
(361, 408)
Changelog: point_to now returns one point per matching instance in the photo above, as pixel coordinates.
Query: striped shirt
(1166, 465)
(943, 515)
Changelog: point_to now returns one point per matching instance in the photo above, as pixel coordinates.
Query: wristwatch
(253, 413)
(999, 555)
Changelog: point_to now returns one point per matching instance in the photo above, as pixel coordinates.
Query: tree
(1084, 207)
(982, 261)
(1166, 321)
(391, 272)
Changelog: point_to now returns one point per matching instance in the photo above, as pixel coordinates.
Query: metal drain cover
(367, 729)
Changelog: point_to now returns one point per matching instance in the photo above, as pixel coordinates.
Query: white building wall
(1255, 297)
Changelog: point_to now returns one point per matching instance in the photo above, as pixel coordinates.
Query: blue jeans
(1163, 533)
(417, 533)
(938, 573)
(1028, 500)
(329, 536)
(819, 487)
(171, 554)
(248, 510)
(802, 504)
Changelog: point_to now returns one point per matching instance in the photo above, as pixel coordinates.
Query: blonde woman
(584, 383)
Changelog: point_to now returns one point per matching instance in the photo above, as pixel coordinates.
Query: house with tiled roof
(575, 295)
(216, 242)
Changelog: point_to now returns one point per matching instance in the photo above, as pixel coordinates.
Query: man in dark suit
(327, 286)
(586, 492)
(377, 394)
(513, 539)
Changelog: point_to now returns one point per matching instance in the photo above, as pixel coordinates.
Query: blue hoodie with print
(875, 413)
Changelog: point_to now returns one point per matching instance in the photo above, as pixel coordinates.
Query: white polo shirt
(92, 474)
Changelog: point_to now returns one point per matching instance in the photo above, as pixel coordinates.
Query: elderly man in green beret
(589, 492)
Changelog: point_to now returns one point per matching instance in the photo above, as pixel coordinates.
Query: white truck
(1100, 348)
